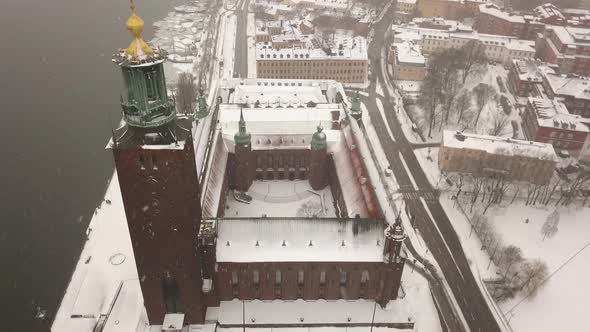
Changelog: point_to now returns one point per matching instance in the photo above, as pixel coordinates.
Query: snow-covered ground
(278, 198)
(564, 286)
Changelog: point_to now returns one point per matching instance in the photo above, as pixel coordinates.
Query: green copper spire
(203, 109)
(242, 137)
(145, 103)
(355, 107)
(318, 140)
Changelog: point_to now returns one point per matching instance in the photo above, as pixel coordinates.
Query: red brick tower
(155, 163)
(318, 169)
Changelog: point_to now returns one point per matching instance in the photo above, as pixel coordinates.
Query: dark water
(58, 89)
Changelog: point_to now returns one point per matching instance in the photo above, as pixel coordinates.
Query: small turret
(318, 140)
(203, 109)
(242, 137)
(355, 107)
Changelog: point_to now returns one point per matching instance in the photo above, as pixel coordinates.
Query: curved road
(444, 245)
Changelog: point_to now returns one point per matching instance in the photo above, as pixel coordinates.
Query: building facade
(309, 64)
(407, 61)
(525, 77)
(572, 90)
(493, 20)
(497, 48)
(549, 121)
(496, 157)
(568, 47)
(451, 9)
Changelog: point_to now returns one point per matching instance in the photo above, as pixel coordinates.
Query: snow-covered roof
(442, 23)
(530, 70)
(572, 36)
(277, 92)
(554, 114)
(548, 10)
(277, 121)
(408, 53)
(494, 10)
(571, 86)
(413, 32)
(498, 145)
(299, 240)
(342, 48)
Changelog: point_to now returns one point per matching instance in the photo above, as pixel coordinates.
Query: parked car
(501, 84)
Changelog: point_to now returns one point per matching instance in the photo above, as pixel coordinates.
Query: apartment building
(525, 77)
(451, 9)
(568, 47)
(493, 20)
(344, 60)
(407, 61)
(573, 90)
(498, 157)
(549, 121)
(497, 48)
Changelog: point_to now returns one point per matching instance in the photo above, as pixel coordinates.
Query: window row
(279, 278)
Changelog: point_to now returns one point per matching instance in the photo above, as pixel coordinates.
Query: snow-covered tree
(512, 255)
(533, 275)
(550, 227)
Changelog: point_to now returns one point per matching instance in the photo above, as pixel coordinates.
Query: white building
(497, 48)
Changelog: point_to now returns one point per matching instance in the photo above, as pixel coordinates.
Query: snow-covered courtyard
(282, 198)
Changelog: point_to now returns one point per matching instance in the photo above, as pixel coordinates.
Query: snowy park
(529, 255)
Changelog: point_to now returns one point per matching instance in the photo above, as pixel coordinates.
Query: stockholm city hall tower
(157, 173)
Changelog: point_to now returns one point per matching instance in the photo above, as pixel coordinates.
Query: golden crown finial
(138, 47)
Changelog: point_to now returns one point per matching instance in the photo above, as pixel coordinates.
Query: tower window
(322, 278)
(278, 278)
(234, 278)
(154, 163)
(343, 278)
(141, 163)
(255, 277)
(300, 277)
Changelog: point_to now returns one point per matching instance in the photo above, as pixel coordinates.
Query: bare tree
(484, 93)
(533, 275)
(463, 104)
(186, 93)
(437, 87)
(451, 88)
(550, 227)
(512, 255)
(499, 124)
(472, 58)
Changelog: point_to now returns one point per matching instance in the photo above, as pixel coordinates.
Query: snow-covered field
(559, 301)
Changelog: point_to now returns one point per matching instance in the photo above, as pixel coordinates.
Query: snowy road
(434, 225)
